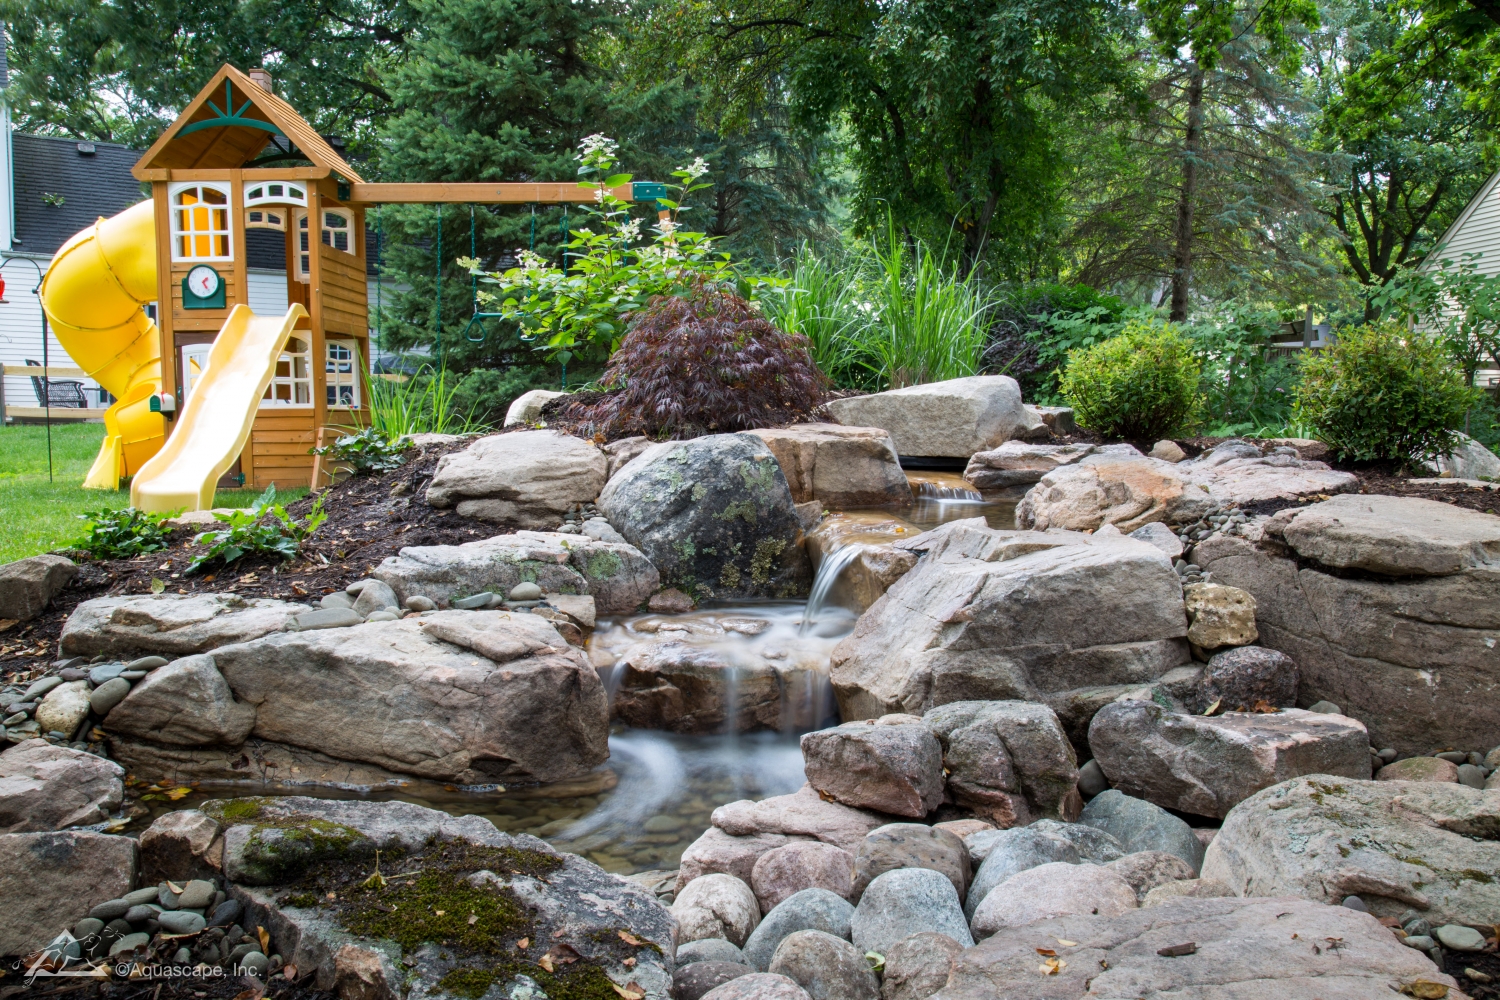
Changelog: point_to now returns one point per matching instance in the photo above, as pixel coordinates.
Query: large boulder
(526, 409)
(838, 466)
(1031, 616)
(714, 515)
(1142, 826)
(28, 585)
(1388, 605)
(171, 624)
(460, 696)
(49, 880)
(1239, 678)
(716, 906)
(896, 769)
(918, 966)
(47, 787)
(1008, 761)
(1052, 890)
(181, 844)
(804, 813)
(617, 575)
(717, 851)
(827, 967)
(525, 479)
(1237, 472)
(1434, 846)
(810, 909)
(301, 869)
(1214, 949)
(700, 684)
(951, 419)
(185, 703)
(903, 902)
(1019, 463)
(1468, 460)
(1003, 853)
(911, 845)
(1208, 765)
(804, 864)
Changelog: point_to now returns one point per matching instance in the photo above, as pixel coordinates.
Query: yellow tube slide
(215, 424)
(93, 293)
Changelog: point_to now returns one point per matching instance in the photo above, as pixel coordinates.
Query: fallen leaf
(1214, 708)
(174, 887)
(1066, 943)
(265, 940)
(1264, 707)
(629, 939)
(290, 972)
(1178, 950)
(523, 944)
(560, 954)
(158, 586)
(629, 963)
(439, 913)
(546, 963)
(1424, 989)
(1046, 951)
(182, 791)
(1051, 967)
(630, 991)
(473, 919)
(1389, 922)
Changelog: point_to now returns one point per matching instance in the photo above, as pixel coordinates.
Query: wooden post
(315, 309)
(162, 204)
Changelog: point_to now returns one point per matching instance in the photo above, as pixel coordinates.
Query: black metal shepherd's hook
(46, 354)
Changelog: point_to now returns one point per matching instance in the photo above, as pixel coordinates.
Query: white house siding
(267, 292)
(21, 335)
(1475, 231)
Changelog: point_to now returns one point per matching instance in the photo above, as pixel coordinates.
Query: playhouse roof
(228, 124)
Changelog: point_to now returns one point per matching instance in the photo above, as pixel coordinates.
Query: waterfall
(830, 568)
(947, 494)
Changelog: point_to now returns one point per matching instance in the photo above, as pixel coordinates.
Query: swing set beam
(443, 193)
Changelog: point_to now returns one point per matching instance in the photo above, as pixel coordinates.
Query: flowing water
(654, 797)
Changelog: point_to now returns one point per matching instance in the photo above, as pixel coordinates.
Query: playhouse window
(200, 222)
(338, 232)
(276, 193)
(342, 374)
(265, 218)
(291, 385)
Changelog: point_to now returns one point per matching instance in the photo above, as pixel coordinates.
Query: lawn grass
(38, 516)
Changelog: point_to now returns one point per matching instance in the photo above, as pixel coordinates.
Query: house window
(200, 222)
(338, 232)
(291, 385)
(342, 372)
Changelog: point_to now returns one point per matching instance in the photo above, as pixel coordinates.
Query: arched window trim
(213, 232)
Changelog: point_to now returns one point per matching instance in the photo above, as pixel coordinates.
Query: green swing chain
(440, 286)
(565, 271)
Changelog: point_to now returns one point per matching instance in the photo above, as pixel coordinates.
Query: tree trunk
(1182, 271)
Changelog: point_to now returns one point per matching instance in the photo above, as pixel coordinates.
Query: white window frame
(175, 215)
(335, 380)
(266, 217)
(275, 193)
(300, 232)
(291, 381)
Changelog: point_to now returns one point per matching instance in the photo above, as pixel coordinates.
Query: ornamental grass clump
(1384, 392)
(705, 362)
(1140, 385)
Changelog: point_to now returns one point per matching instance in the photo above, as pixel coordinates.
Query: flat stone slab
(1207, 949)
(837, 465)
(955, 418)
(1395, 536)
(174, 624)
(1016, 463)
(1206, 766)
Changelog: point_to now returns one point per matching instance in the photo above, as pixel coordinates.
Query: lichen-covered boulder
(616, 575)
(455, 907)
(714, 515)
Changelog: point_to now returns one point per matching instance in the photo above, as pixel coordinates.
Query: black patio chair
(57, 392)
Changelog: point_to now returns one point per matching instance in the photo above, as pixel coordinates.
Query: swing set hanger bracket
(443, 193)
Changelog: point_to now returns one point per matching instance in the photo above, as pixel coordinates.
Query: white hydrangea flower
(631, 230)
(596, 144)
(667, 227)
(532, 261)
(697, 170)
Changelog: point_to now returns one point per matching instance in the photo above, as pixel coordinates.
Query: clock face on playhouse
(203, 288)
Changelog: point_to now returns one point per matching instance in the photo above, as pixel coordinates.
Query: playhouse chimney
(263, 77)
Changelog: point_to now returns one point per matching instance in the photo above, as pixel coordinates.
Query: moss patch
(472, 983)
(602, 565)
(729, 576)
(231, 811)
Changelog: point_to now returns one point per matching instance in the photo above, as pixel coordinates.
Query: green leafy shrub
(1140, 385)
(1383, 391)
(121, 534)
(1035, 327)
(366, 451)
(701, 363)
(266, 528)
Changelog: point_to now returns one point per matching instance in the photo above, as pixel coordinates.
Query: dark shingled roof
(88, 185)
